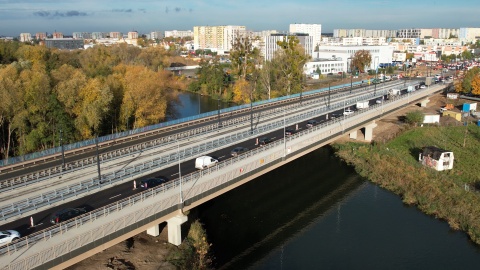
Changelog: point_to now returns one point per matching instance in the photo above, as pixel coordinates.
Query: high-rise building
(57, 35)
(25, 37)
(270, 44)
(116, 35)
(40, 36)
(217, 38)
(156, 35)
(133, 35)
(469, 34)
(314, 30)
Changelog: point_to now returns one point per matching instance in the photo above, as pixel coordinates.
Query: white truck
(392, 93)
(204, 162)
(362, 105)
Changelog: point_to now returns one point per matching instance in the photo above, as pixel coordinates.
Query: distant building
(80, 35)
(57, 35)
(325, 66)
(381, 55)
(270, 44)
(217, 38)
(469, 34)
(314, 30)
(179, 34)
(40, 36)
(116, 35)
(99, 35)
(156, 35)
(25, 37)
(64, 43)
(132, 35)
(364, 33)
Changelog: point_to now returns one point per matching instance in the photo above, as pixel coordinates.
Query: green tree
(414, 117)
(289, 60)
(360, 60)
(243, 56)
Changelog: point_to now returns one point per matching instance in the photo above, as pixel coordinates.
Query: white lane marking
(174, 174)
(114, 196)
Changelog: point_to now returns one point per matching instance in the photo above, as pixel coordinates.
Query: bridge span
(69, 242)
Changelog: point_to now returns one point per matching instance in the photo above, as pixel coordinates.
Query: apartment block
(270, 44)
(25, 37)
(216, 38)
(314, 30)
(179, 34)
(40, 36)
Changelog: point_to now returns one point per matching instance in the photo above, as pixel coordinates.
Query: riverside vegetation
(449, 195)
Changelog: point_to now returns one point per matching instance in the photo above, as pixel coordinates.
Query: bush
(414, 118)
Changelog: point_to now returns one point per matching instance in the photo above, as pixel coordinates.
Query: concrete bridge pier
(353, 135)
(174, 226)
(369, 131)
(424, 102)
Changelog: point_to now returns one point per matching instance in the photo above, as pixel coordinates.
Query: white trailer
(362, 105)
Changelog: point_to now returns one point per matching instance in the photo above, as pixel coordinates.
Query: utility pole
(63, 151)
(98, 161)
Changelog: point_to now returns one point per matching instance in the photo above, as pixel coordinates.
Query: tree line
(48, 93)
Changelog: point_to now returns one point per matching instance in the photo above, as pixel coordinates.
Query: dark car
(152, 182)
(311, 123)
(264, 141)
(238, 151)
(290, 131)
(66, 214)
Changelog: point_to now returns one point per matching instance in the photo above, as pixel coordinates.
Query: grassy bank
(448, 195)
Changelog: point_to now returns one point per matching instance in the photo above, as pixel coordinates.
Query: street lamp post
(284, 137)
(179, 172)
(98, 160)
(218, 105)
(63, 151)
(328, 95)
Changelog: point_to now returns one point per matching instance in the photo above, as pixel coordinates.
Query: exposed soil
(142, 252)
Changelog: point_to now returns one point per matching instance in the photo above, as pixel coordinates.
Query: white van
(205, 162)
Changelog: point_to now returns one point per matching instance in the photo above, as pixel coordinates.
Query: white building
(469, 34)
(156, 35)
(350, 33)
(380, 54)
(270, 44)
(325, 66)
(25, 37)
(436, 158)
(179, 34)
(314, 30)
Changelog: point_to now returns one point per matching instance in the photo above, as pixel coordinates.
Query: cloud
(123, 10)
(59, 14)
(177, 9)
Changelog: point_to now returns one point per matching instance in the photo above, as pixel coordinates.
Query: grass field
(449, 195)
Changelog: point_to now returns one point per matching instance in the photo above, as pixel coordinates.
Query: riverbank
(393, 164)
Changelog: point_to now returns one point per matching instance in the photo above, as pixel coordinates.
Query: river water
(317, 213)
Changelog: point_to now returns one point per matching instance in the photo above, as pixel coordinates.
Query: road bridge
(68, 242)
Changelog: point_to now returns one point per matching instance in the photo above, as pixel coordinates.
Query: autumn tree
(243, 56)
(465, 85)
(213, 77)
(290, 59)
(144, 97)
(476, 85)
(360, 60)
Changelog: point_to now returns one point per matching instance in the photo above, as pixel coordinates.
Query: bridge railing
(235, 167)
(112, 137)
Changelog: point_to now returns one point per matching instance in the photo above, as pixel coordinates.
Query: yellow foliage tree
(144, 96)
(68, 83)
(241, 92)
(476, 85)
(93, 102)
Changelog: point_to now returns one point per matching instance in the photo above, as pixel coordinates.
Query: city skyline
(144, 16)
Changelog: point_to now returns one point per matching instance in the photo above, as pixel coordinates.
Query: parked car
(348, 112)
(8, 236)
(152, 182)
(265, 140)
(290, 131)
(379, 101)
(311, 123)
(66, 214)
(238, 151)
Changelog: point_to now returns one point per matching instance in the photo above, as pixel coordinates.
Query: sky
(145, 16)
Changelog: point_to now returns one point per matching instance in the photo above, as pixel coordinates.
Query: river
(317, 213)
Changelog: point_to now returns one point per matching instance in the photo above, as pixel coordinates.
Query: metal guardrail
(313, 135)
(74, 190)
(112, 137)
(46, 174)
